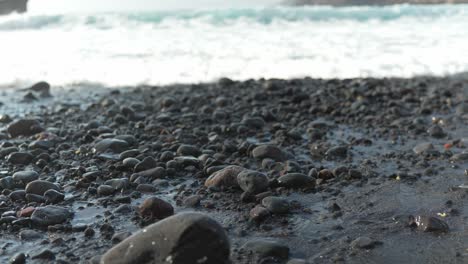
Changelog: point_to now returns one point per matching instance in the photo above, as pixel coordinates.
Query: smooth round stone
(20, 158)
(429, 224)
(269, 152)
(252, 182)
(192, 201)
(18, 195)
(25, 176)
(186, 238)
(19, 258)
(7, 183)
(155, 208)
(24, 127)
(296, 180)
(254, 122)
(28, 235)
(146, 164)
(105, 190)
(363, 243)
(266, 248)
(188, 150)
(39, 187)
(130, 162)
(276, 205)
(259, 213)
(53, 196)
(50, 215)
(132, 153)
(111, 145)
(337, 152)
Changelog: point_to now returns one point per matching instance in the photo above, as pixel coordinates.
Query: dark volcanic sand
(362, 130)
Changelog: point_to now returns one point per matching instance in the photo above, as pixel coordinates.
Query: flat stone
(111, 145)
(50, 215)
(186, 238)
(364, 243)
(29, 235)
(296, 180)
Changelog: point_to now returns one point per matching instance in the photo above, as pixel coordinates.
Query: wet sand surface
(366, 170)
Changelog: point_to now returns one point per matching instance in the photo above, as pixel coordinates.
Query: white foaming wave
(115, 50)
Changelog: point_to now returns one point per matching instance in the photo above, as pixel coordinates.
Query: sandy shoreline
(353, 162)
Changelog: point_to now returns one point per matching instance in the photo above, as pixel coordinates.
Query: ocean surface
(191, 46)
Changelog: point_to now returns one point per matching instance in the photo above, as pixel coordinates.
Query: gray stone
(50, 215)
(111, 145)
(186, 238)
(296, 180)
(266, 248)
(270, 152)
(25, 176)
(28, 235)
(423, 147)
(53, 196)
(39, 187)
(252, 182)
(24, 127)
(188, 150)
(20, 158)
(276, 205)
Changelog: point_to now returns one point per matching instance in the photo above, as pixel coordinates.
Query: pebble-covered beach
(259, 171)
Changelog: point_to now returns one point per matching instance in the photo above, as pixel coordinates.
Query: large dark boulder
(186, 238)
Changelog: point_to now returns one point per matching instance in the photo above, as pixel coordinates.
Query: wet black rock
(25, 176)
(105, 190)
(276, 205)
(53, 196)
(269, 151)
(39, 187)
(7, 151)
(263, 248)
(50, 215)
(20, 158)
(252, 182)
(436, 131)
(188, 150)
(111, 145)
(155, 208)
(429, 224)
(7, 183)
(337, 152)
(187, 238)
(296, 180)
(45, 254)
(18, 258)
(146, 164)
(254, 122)
(24, 127)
